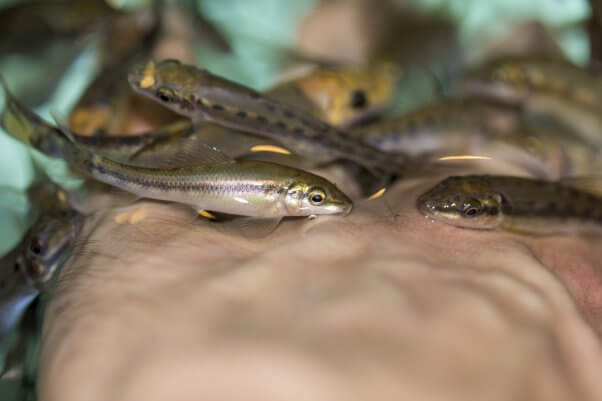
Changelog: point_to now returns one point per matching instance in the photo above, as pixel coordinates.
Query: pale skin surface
(381, 305)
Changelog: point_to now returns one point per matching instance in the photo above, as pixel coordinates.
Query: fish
(28, 268)
(451, 125)
(342, 96)
(556, 89)
(127, 39)
(523, 205)
(205, 97)
(466, 126)
(207, 179)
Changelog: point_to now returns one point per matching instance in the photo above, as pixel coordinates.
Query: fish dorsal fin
(587, 183)
(189, 152)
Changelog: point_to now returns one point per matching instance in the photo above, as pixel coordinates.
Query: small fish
(27, 269)
(516, 204)
(207, 179)
(342, 96)
(205, 97)
(557, 89)
(461, 126)
(456, 125)
(127, 39)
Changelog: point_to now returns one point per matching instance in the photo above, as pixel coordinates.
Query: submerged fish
(555, 89)
(207, 179)
(457, 125)
(129, 38)
(515, 204)
(342, 96)
(205, 97)
(27, 269)
(471, 126)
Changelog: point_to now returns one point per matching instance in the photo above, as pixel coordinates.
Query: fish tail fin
(17, 120)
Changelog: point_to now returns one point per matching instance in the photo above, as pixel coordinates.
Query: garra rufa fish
(524, 205)
(105, 103)
(342, 96)
(205, 97)
(474, 127)
(207, 179)
(552, 88)
(29, 266)
(453, 125)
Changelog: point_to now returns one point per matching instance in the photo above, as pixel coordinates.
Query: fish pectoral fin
(587, 183)
(251, 227)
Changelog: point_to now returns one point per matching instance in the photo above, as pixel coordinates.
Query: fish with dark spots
(172, 83)
(516, 204)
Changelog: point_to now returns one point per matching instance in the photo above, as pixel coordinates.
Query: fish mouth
(426, 206)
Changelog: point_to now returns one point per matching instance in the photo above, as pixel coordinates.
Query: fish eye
(317, 196)
(165, 94)
(472, 208)
(36, 247)
(358, 99)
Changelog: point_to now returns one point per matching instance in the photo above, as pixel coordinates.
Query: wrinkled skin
(383, 304)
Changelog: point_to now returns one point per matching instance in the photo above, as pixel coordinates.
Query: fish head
(186, 89)
(48, 244)
(168, 82)
(314, 195)
(346, 96)
(458, 202)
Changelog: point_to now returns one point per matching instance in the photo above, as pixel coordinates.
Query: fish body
(513, 203)
(557, 89)
(463, 126)
(207, 179)
(203, 96)
(456, 125)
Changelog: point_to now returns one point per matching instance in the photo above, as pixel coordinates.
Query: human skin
(383, 304)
